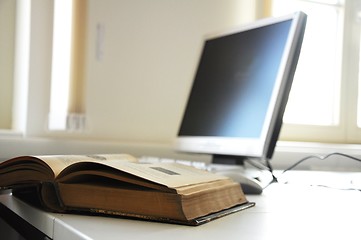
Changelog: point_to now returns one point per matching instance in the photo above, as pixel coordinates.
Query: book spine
(50, 197)
(29, 193)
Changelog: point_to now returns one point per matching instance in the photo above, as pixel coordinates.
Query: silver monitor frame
(262, 147)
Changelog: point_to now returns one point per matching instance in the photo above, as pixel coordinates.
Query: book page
(60, 162)
(172, 175)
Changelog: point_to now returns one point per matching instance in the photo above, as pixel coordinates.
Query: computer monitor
(240, 90)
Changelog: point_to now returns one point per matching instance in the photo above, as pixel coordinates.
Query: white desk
(283, 211)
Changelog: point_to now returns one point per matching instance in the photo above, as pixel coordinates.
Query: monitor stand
(228, 159)
(233, 167)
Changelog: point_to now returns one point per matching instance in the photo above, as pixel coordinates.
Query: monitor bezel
(262, 147)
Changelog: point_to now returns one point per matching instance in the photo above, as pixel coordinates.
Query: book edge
(193, 222)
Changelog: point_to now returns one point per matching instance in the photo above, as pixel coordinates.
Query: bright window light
(315, 94)
(61, 62)
(359, 82)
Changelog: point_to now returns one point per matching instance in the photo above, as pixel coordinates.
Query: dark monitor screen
(241, 88)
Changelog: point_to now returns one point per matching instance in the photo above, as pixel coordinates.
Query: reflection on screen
(234, 83)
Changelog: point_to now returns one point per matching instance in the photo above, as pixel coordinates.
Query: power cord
(264, 166)
(320, 158)
(268, 166)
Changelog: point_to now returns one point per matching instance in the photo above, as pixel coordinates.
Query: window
(31, 51)
(60, 74)
(66, 107)
(321, 103)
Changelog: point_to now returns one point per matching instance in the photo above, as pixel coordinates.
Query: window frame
(346, 131)
(351, 67)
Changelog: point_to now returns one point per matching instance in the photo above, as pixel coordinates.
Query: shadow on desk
(8, 232)
(13, 227)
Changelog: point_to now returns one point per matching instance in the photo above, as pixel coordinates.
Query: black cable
(268, 165)
(324, 158)
(320, 158)
(257, 164)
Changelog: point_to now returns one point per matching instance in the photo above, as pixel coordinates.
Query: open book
(117, 184)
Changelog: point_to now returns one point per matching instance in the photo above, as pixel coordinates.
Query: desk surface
(283, 211)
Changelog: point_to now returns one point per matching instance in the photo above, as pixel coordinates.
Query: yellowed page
(172, 175)
(59, 162)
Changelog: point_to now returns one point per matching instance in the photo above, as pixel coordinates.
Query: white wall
(7, 36)
(136, 90)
